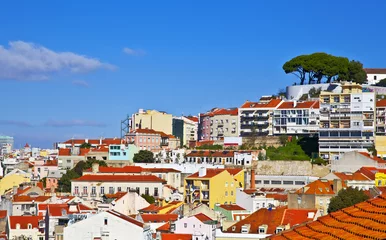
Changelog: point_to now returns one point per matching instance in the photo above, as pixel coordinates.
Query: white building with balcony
(374, 75)
(347, 121)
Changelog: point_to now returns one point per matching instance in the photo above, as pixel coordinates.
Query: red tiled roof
(370, 171)
(375, 70)
(116, 196)
(24, 221)
(3, 214)
(107, 141)
(26, 198)
(381, 103)
(175, 236)
(84, 151)
(202, 217)
(318, 187)
(150, 208)
(119, 178)
(26, 145)
(205, 142)
(126, 218)
(278, 197)
(297, 216)
(126, 169)
(145, 131)
(233, 207)
(160, 170)
(375, 158)
(51, 163)
(152, 218)
(194, 119)
(170, 187)
(365, 220)
(58, 210)
(357, 176)
(64, 152)
(164, 228)
(271, 104)
(299, 105)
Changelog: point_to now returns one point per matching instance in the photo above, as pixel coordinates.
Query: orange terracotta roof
(318, 187)
(381, 103)
(375, 70)
(3, 214)
(84, 151)
(150, 208)
(365, 220)
(194, 119)
(26, 145)
(126, 218)
(170, 187)
(64, 152)
(375, 158)
(297, 216)
(271, 104)
(126, 169)
(152, 218)
(119, 178)
(233, 207)
(145, 131)
(357, 176)
(370, 171)
(51, 163)
(107, 141)
(116, 196)
(164, 228)
(175, 236)
(160, 170)
(24, 221)
(202, 217)
(299, 105)
(26, 198)
(278, 197)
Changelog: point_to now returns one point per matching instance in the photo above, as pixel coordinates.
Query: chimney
(253, 185)
(100, 141)
(337, 185)
(202, 172)
(86, 140)
(95, 167)
(295, 103)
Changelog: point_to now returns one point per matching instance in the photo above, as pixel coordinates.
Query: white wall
(371, 80)
(194, 226)
(184, 168)
(296, 91)
(117, 228)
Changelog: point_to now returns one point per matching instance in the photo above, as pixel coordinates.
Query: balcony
(220, 125)
(93, 195)
(84, 194)
(75, 194)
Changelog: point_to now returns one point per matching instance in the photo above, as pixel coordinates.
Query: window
(266, 181)
(231, 193)
(29, 226)
(140, 139)
(102, 190)
(226, 184)
(185, 225)
(146, 191)
(226, 193)
(263, 205)
(288, 182)
(76, 190)
(155, 192)
(275, 182)
(137, 190)
(119, 189)
(85, 189)
(111, 190)
(375, 77)
(105, 220)
(93, 190)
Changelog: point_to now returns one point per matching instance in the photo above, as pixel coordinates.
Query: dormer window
(234, 228)
(29, 226)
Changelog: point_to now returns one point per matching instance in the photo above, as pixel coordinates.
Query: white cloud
(134, 52)
(80, 83)
(28, 61)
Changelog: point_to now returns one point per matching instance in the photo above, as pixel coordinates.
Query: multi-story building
(26, 227)
(218, 123)
(152, 119)
(6, 144)
(346, 121)
(211, 186)
(185, 128)
(380, 114)
(151, 140)
(374, 75)
(296, 118)
(256, 118)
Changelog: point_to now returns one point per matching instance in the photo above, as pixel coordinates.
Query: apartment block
(380, 114)
(256, 118)
(152, 119)
(347, 121)
(185, 128)
(296, 118)
(218, 123)
(151, 140)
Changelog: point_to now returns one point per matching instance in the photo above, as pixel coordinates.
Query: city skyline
(78, 75)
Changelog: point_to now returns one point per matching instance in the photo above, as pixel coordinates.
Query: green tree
(43, 180)
(356, 72)
(314, 93)
(373, 150)
(143, 156)
(85, 145)
(346, 198)
(295, 66)
(210, 147)
(148, 198)
(64, 183)
(381, 83)
(283, 139)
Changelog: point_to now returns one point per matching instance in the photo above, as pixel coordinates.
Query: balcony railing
(84, 194)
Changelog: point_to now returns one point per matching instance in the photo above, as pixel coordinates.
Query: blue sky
(76, 68)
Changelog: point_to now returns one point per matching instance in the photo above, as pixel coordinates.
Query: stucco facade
(152, 119)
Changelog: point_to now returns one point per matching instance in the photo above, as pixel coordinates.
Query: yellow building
(380, 145)
(211, 186)
(380, 179)
(13, 179)
(152, 119)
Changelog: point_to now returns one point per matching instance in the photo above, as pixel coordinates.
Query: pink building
(40, 170)
(145, 139)
(204, 127)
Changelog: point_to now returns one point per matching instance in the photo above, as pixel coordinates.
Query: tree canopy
(143, 156)
(346, 198)
(381, 83)
(85, 145)
(319, 66)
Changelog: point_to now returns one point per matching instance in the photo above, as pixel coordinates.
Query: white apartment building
(347, 121)
(296, 118)
(108, 225)
(95, 186)
(381, 117)
(256, 118)
(374, 75)
(185, 128)
(218, 123)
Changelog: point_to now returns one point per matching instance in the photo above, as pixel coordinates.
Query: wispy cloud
(133, 52)
(74, 123)
(80, 83)
(28, 61)
(15, 123)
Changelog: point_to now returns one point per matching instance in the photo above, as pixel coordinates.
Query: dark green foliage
(43, 180)
(291, 151)
(314, 93)
(143, 156)
(319, 161)
(319, 66)
(381, 83)
(85, 145)
(210, 147)
(148, 198)
(346, 198)
(304, 97)
(309, 145)
(283, 139)
(373, 150)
